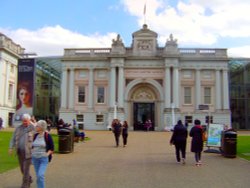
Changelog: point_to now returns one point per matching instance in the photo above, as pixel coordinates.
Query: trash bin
(65, 141)
(229, 144)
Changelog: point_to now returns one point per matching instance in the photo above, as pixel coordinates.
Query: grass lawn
(243, 147)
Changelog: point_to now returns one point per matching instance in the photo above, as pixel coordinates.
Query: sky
(47, 27)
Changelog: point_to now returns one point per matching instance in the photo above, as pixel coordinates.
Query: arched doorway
(143, 99)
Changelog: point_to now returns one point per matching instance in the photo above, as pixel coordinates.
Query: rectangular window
(187, 95)
(209, 119)
(187, 74)
(207, 95)
(100, 95)
(80, 120)
(189, 119)
(10, 92)
(99, 118)
(81, 94)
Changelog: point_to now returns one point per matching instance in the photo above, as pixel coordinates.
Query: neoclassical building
(144, 82)
(10, 52)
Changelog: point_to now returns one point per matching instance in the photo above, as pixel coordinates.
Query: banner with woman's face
(25, 88)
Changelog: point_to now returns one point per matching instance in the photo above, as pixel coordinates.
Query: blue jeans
(40, 165)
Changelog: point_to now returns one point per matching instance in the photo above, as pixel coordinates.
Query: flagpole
(144, 12)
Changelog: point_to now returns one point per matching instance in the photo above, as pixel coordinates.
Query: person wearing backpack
(42, 149)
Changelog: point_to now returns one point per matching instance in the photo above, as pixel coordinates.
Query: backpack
(46, 137)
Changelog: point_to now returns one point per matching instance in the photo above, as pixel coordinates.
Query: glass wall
(239, 85)
(47, 88)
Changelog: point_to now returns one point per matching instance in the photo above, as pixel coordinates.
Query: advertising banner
(25, 88)
(214, 135)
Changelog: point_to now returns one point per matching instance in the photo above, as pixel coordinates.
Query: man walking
(179, 139)
(22, 141)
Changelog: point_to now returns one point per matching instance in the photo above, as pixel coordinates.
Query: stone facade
(143, 82)
(10, 52)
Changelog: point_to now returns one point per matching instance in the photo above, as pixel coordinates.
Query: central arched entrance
(143, 106)
(143, 111)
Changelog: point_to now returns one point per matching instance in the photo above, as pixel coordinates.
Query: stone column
(225, 90)
(7, 83)
(72, 88)
(218, 90)
(64, 88)
(112, 87)
(121, 87)
(198, 88)
(91, 89)
(167, 88)
(176, 87)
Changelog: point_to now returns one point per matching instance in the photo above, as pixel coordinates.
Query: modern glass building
(239, 88)
(47, 88)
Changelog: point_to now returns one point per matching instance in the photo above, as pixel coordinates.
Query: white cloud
(195, 22)
(52, 40)
(242, 51)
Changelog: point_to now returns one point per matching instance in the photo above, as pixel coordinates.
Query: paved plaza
(147, 162)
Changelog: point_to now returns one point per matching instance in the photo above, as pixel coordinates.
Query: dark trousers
(125, 138)
(117, 138)
(25, 169)
(197, 156)
(180, 147)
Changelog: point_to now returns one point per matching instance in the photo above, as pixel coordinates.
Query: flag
(144, 11)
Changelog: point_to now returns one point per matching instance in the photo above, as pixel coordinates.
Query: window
(189, 119)
(187, 74)
(209, 119)
(100, 95)
(207, 95)
(82, 74)
(99, 118)
(81, 94)
(80, 120)
(207, 74)
(11, 91)
(187, 95)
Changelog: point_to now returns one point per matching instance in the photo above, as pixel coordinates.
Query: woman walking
(179, 139)
(125, 133)
(197, 142)
(42, 149)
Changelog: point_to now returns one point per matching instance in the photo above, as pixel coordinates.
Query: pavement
(148, 161)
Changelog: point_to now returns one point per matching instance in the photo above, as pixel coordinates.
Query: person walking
(125, 133)
(42, 149)
(116, 127)
(22, 141)
(179, 139)
(197, 142)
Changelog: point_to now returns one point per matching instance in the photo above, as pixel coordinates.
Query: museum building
(144, 82)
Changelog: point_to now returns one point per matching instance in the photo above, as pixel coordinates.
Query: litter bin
(229, 143)
(65, 141)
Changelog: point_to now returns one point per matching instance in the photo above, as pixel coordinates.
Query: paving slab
(147, 162)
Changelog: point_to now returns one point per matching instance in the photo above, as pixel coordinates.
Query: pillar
(121, 87)
(71, 88)
(167, 88)
(91, 89)
(225, 90)
(218, 90)
(198, 88)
